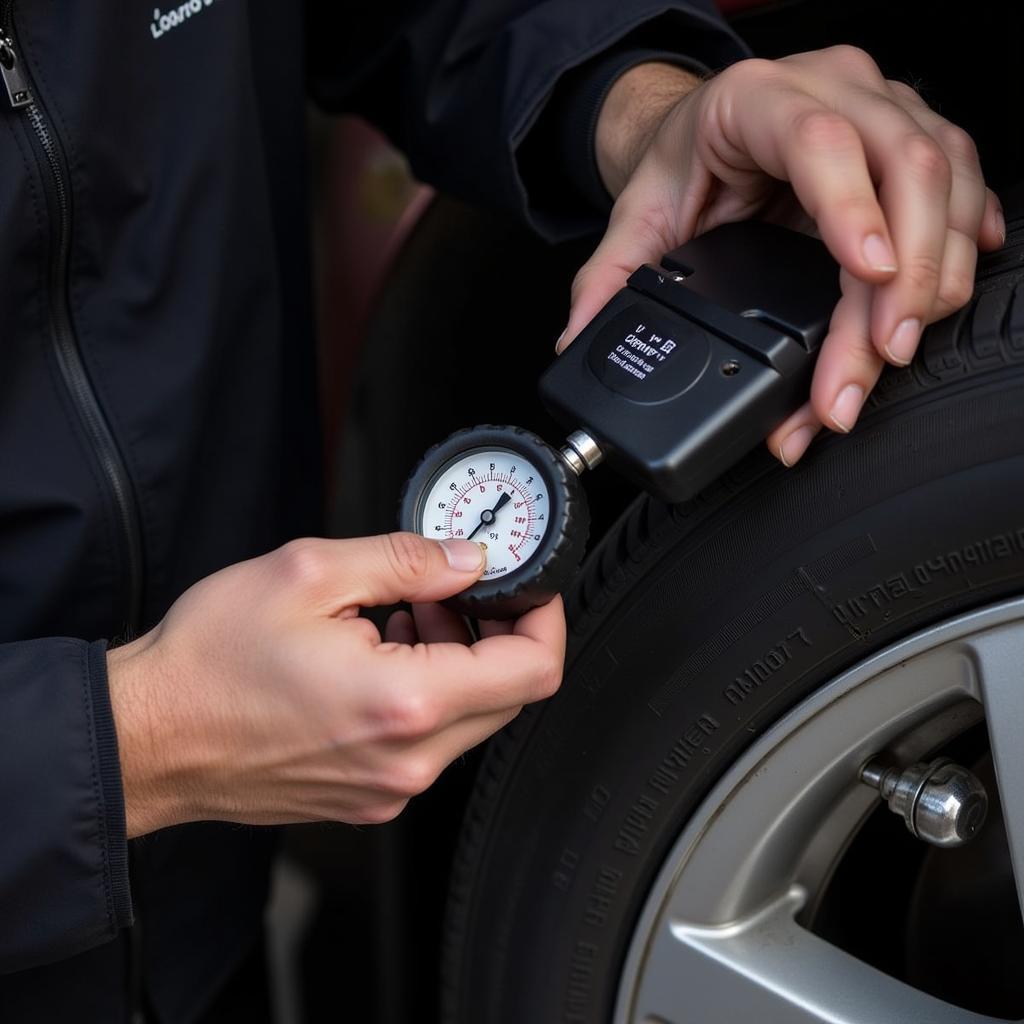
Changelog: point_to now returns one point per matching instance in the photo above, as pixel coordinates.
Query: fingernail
(464, 555)
(792, 449)
(904, 341)
(558, 343)
(846, 408)
(878, 253)
(1001, 225)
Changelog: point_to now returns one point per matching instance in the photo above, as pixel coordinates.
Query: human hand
(818, 141)
(263, 698)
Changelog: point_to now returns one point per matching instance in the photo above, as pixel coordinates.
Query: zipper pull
(17, 88)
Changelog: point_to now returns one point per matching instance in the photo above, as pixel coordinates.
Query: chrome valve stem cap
(941, 802)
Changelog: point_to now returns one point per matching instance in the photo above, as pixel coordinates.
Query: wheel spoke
(999, 661)
(768, 969)
(718, 941)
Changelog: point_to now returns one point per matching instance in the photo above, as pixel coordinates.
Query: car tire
(694, 628)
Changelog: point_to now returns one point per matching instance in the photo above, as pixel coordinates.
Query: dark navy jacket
(157, 413)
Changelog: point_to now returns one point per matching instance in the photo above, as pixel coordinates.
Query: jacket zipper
(62, 333)
(76, 378)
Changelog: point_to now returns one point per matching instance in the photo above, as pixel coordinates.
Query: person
(181, 652)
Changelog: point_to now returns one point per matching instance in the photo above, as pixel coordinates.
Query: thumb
(396, 567)
(634, 237)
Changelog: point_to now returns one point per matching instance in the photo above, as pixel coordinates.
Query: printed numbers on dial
(511, 491)
(497, 498)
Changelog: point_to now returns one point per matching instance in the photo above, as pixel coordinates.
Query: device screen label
(648, 357)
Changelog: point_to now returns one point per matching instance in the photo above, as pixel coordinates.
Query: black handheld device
(696, 361)
(686, 370)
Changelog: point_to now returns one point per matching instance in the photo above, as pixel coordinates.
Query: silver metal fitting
(581, 452)
(940, 802)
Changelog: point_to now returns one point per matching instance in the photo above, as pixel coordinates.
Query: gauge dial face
(495, 497)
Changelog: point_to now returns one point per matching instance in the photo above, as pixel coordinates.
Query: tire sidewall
(739, 609)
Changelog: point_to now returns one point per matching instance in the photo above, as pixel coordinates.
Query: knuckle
(853, 58)
(925, 158)
(956, 289)
(904, 92)
(414, 775)
(824, 129)
(922, 272)
(861, 364)
(302, 562)
(408, 556)
(751, 66)
(752, 73)
(407, 715)
(957, 143)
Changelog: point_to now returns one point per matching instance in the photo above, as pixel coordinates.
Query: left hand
(821, 142)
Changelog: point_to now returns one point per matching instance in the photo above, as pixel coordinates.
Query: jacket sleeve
(63, 854)
(458, 84)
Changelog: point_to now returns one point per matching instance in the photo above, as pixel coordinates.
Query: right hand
(263, 697)
(818, 141)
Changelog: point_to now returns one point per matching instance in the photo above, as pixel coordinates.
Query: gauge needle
(490, 514)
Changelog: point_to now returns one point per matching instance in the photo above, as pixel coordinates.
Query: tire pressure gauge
(683, 372)
(512, 492)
